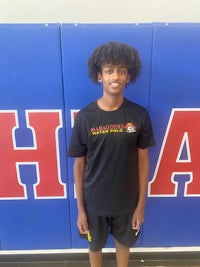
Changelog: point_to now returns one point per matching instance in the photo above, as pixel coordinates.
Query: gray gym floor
(157, 259)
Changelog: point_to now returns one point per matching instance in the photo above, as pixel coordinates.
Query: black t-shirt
(109, 140)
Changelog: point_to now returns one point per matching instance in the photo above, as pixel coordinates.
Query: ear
(99, 77)
(128, 78)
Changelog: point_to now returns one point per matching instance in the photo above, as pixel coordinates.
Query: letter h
(44, 154)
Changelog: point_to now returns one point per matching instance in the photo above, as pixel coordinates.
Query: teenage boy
(110, 141)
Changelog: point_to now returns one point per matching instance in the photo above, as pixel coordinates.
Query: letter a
(183, 128)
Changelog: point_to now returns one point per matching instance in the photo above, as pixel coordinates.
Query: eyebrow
(113, 65)
(108, 65)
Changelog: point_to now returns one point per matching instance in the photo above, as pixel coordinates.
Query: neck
(110, 104)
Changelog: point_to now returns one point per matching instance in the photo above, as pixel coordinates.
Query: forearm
(79, 169)
(143, 172)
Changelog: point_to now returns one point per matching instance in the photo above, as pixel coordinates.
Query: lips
(114, 84)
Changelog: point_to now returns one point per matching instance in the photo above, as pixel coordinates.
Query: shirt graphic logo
(113, 128)
(130, 127)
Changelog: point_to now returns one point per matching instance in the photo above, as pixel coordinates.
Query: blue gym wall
(44, 82)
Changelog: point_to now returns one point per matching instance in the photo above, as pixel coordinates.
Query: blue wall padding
(43, 68)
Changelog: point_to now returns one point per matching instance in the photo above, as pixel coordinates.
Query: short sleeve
(78, 142)
(146, 136)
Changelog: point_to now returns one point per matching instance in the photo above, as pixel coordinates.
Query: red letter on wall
(182, 137)
(44, 154)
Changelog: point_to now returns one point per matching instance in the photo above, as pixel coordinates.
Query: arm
(143, 171)
(79, 169)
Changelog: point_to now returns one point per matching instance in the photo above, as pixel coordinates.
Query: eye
(108, 71)
(123, 71)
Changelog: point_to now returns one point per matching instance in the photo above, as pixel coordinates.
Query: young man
(110, 141)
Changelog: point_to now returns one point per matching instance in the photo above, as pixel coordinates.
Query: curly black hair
(115, 53)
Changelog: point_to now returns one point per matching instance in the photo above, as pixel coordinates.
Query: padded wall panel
(172, 217)
(34, 206)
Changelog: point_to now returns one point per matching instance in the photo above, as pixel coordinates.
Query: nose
(115, 75)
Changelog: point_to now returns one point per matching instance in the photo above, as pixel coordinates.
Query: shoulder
(85, 111)
(132, 106)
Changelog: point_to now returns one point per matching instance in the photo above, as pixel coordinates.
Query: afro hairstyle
(115, 53)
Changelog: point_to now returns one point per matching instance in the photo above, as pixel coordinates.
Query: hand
(138, 218)
(82, 222)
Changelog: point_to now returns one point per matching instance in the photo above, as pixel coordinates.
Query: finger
(83, 228)
(136, 225)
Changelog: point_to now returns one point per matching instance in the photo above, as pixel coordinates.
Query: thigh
(98, 228)
(121, 229)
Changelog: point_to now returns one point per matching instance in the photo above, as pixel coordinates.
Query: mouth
(114, 84)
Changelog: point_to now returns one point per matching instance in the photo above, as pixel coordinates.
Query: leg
(122, 254)
(95, 258)
(98, 226)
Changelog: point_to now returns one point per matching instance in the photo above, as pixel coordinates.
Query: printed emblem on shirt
(113, 128)
(130, 127)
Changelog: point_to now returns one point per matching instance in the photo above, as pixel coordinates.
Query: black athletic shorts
(118, 226)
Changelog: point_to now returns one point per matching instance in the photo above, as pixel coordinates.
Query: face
(114, 79)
